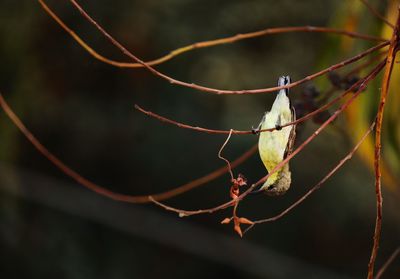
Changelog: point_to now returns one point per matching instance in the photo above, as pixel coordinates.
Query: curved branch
(183, 213)
(228, 164)
(318, 185)
(376, 13)
(248, 132)
(390, 60)
(214, 90)
(388, 263)
(364, 65)
(105, 192)
(203, 44)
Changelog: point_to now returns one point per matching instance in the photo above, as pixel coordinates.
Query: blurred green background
(82, 110)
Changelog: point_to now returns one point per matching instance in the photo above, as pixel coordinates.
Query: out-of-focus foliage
(355, 16)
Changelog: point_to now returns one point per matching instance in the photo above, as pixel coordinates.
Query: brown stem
(105, 192)
(248, 132)
(183, 213)
(364, 65)
(316, 186)
(203, 44)
(214, 90)
(393, 48)
(228, 164)
(353, 71)
(388, 263)
(376, 13)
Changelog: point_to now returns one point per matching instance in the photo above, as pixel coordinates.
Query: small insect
(275, 146)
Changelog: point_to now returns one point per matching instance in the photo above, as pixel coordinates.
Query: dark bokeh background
(82, 110)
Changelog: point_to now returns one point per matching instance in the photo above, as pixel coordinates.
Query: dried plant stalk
(390, 60)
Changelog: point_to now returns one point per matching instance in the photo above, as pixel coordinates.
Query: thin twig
(184, 213)
(248, 132)
(105, 192)
(376, 13)
(394, 44)
(316, 186)
(230, 203)
(203, 44)
(364, 65)
(214, 90)
(353, 71)
(388, 263)
(223, 158)
(367, 79)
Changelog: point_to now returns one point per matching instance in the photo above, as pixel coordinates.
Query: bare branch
(388, 263)
(223, 158)
(183, 213)
(203, 44)
(204, 179)
(318, 185)
(214, 90)
(390, 60)
(376, 13)
(364, 65)
(100, 189)
(248, 132)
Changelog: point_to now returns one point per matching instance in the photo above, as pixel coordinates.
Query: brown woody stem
(249, 132)
(183, 213)
(393, 48)
(203, 44)
(215, 90)
(388, 262)
(104, 191)
(316, 186)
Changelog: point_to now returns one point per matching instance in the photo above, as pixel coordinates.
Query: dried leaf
(246, 221)
(238, 229)
(226, 221)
